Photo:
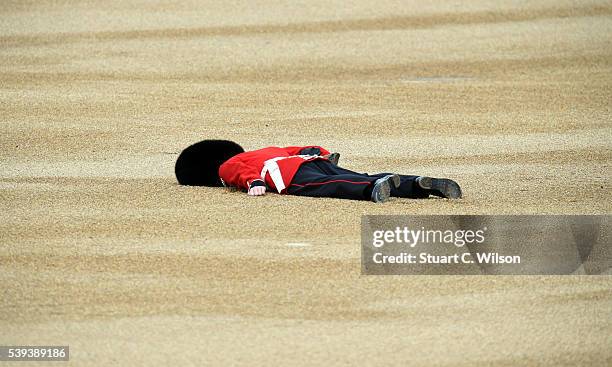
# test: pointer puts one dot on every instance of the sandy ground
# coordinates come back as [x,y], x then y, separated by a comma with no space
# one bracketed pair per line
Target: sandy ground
[101,250]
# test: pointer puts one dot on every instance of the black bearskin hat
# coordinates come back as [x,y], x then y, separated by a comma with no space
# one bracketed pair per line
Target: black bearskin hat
[198,164]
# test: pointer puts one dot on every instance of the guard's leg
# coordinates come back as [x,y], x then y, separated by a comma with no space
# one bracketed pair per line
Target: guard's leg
[408,187]
[322,179]
[420,187]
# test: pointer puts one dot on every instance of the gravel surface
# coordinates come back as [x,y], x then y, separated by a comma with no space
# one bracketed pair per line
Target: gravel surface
[101,250]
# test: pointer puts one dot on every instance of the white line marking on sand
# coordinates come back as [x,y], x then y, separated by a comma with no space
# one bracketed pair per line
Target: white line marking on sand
[298,244]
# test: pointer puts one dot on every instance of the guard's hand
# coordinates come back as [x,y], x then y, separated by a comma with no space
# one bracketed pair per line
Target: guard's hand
[333,157]
[257,190]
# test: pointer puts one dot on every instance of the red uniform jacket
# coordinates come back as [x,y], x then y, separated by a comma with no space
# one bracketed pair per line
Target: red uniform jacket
[276,166]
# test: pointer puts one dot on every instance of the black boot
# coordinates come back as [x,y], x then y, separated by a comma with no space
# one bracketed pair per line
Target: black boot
[382,188]
[442,187]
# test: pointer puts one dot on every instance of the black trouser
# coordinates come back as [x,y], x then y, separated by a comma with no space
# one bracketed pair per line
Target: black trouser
[320,178]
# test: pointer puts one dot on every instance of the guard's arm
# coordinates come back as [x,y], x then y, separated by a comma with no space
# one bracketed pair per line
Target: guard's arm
[238,174]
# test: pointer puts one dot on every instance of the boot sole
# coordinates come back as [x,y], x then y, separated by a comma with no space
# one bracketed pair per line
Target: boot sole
[382,188]
[443,187]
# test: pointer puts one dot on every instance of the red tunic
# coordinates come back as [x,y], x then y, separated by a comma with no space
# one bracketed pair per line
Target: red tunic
[276,166]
